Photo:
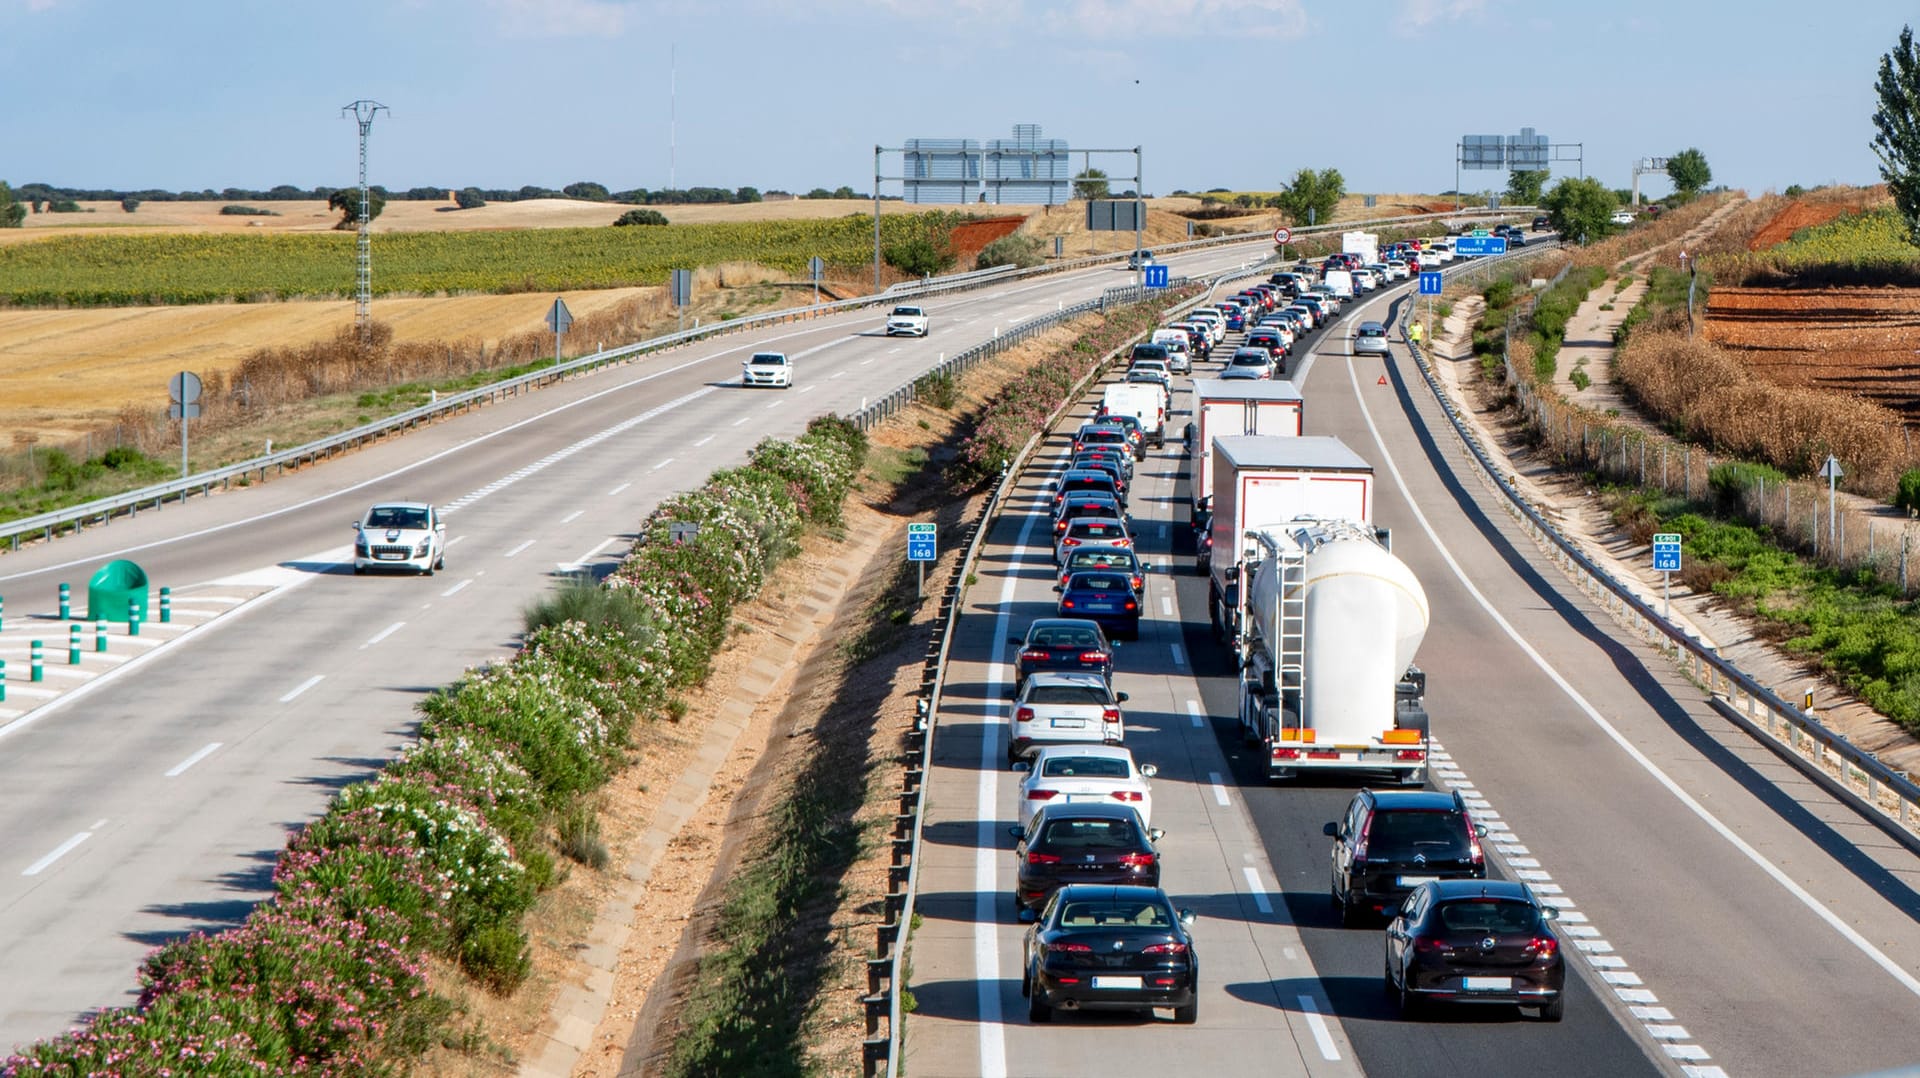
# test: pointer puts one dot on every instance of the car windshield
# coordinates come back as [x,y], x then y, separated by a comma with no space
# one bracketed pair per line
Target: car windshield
[768,358]
[1083,767]
[1373,331]
[1107,912]
[1396,833]
[1150,351]
[1096,834]
[1098,582]
[910,311]
[393,516]
[1101,559]
[1489,915]
[1064,638]
[1073,693]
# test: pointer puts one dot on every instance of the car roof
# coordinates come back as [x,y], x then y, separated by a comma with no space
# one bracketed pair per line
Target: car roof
[1120,892]
[1061,623]
[1451,889]
[1104,548]
[1066,677]
[398,505]
[1111,752]
[1430,800]
[1088,809]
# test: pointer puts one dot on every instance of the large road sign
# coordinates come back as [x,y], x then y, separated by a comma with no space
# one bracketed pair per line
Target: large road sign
[1666,552]
[1430,283]
[921,542]
[1470,246]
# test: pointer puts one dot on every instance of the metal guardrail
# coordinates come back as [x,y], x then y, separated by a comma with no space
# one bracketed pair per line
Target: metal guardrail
[889,964]
[1888,798]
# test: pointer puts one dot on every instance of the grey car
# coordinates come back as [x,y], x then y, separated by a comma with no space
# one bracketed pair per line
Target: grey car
[1370,339]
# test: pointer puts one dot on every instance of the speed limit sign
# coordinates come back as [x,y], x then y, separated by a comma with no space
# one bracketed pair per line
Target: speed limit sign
[1282,235]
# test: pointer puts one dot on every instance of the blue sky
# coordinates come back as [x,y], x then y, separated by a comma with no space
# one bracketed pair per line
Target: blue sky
[793,95]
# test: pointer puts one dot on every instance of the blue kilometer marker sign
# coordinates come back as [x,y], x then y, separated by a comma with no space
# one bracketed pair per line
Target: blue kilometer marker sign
[1666,552]
[920,542]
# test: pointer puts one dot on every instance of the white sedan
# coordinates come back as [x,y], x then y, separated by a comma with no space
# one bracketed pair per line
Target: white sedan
[767,369]
[1066,774]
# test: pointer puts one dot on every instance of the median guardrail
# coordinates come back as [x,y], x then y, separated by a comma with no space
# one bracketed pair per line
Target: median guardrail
[1888,798]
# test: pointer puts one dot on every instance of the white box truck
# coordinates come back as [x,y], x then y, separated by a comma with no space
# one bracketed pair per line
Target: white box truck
[1235,407]
[1261,482]
[1145,401]
[1364,244]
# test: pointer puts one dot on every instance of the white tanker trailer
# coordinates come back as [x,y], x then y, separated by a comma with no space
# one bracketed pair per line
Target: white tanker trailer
[1332,623]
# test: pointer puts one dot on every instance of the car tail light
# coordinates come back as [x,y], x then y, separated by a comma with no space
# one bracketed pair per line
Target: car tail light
[1034,858]
[1131,605]
[1093,656]
[1137,860]
[1127,795]
[1042,795]
[1366,830]
[1070,541]
[1066,604]
[1122,542]
[1543,947]
[1164,948]
[1110,714]
[1060,525]
[1139,582]
[1473,843]
[1024,714]
[1428,945]
[1036,655]
[1070,948]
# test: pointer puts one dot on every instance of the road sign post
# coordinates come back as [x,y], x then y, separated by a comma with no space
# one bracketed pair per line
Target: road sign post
[558,319]
[183,396]
[922,543]
[1830,471]
[815,267]
[1280,238]
[1666,560]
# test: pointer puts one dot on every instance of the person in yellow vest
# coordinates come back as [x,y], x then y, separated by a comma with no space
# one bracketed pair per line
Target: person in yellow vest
[1413,333]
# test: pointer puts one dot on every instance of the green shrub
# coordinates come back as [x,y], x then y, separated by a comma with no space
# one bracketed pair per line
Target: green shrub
[246,211]
[641,217]
[1499,293]
[468,198]
[938,389]
[497,956]
[1014,249]
[1580,379]
[1908,497]
[129,205]
[920,256]
[64,205]
[1731,481]
[580,837]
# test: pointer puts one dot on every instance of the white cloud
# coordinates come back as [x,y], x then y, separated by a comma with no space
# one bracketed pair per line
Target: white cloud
[1419,14]
[562,18]
[1097,19]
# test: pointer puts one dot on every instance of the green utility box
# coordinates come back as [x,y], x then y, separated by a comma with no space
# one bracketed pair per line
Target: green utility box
[117,592]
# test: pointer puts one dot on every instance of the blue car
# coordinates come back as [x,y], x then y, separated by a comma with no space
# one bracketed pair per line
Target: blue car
[1107,598]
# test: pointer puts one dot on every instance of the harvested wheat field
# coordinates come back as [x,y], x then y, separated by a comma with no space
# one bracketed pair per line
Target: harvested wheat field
[70,371]
[1846,340]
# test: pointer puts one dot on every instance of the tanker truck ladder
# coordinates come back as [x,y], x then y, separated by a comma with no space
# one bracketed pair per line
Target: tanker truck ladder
[1290,674]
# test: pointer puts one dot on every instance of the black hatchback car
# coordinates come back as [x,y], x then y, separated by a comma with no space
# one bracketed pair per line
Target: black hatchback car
[1390,841]
[1074,644]
[1475,941]
[1111,948]
[1081,843]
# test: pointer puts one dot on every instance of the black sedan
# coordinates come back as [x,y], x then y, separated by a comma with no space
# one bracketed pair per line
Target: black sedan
[1111,948]
[1102,595]
[1062,644]
[1085,842]
[1475,941]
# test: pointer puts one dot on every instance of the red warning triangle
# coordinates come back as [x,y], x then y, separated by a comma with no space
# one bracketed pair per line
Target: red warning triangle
[1382,381]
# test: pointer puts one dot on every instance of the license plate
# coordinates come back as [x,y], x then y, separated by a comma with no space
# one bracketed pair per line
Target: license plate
[1073,798]
[1103,608]
[1117,982]
[1415,881]
[391,557]
[1487,984]
[1069,724]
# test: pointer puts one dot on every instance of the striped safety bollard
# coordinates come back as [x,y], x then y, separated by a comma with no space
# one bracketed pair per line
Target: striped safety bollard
[166,605]
[36,664]
[66,601]
[73,645]
[3,612]
[100,635]
[3,681]
[133,623]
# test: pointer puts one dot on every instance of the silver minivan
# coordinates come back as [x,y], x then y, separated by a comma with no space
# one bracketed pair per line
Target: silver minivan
[1370,339]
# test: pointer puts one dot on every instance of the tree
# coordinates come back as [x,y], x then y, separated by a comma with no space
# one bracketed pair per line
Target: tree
[747,194]
[1312,196]
[1896,124]
[590,192]
[1580,209]
[642,217]
[921,256]
[818,192]
[1524,186]
[129,204]
[469,198]
[1091,184]
[347,201]
[843,191]
[11,212]
[1689,172]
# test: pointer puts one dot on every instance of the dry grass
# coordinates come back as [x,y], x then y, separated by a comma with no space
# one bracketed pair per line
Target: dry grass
[1644,238]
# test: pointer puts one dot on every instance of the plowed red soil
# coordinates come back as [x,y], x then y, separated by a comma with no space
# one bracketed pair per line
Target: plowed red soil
[1798,214]
[1847,340]
[968,239]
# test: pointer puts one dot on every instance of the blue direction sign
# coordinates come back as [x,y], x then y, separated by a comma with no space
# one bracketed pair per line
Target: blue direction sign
[1666,552]
[1157,276]
[1470,246]
[920,542]
[1431,284]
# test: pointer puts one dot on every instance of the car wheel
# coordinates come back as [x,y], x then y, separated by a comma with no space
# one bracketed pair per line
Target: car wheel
[1037,1010]
[1387,987]
[1026,985]
[1556,1010]
[440,561]
[1190,1013]
[359,570]
[1350,916]
[1411,1006]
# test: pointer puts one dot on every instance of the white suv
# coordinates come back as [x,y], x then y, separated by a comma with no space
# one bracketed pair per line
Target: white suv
[400,535]
[767,369]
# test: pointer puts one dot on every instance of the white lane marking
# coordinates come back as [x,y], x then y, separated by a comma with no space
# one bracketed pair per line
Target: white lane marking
[1194,712]
[588,556]
[775,404]
[303,687]
[1652,1014]
[1166,607]
[837,374]
[741,420]
[1846,931]
[864,362]
[456,587]
[573,516]
[1257,889]
[59,851]
[518,549]
[808,389]
[383,634]
[180,768]
[703,441]
[1179,657]
[1322,1037]
[610,493]
[663,464]
[1219,787]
